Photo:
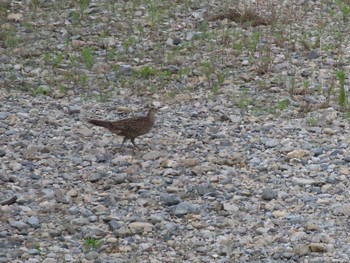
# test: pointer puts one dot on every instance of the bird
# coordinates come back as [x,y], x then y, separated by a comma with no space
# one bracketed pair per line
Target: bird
[130,128]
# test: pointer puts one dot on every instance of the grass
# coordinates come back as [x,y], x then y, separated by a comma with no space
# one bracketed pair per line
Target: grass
[215,53]
[87,57]
[342,95]
[91,243]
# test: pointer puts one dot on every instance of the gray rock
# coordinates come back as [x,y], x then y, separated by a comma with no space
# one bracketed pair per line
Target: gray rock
[140,227]
[313,54]
[114,225]
[49,194]
[125,70]
[4,115]
[95,177]
[9,201]
[345,209]
[119,178]
[62,197]
[153,155]
[268,194]
[33,251]
[185,208]
[92,255]
[34,222]
[74,109]
[170,199]
[19,225]
[172,68]
[271,143]
[177,41]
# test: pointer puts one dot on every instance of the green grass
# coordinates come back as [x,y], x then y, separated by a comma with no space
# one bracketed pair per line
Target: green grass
[91,243]
[214,54]
[342,95]
[87,57]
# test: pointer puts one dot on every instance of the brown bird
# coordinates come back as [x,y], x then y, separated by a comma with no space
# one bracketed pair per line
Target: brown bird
[130,128]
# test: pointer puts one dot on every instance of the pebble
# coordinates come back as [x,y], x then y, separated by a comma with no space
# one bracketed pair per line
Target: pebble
[19,225]
[34,222]
[153,155]
[125,70]
[268,194]
[228,173]
[170,199]
[74,109]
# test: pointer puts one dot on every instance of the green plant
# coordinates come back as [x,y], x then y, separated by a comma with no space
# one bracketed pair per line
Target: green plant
[220,76]
[238,46]
[34,4]
[83,80]
[12,40]
[58,59]
[43,90]
[208,70]
[83,5]
[75,17]
[146,72]
[282,104]
[62,89]
[110,54]
[91,243]
[344,8]
[47,57]
[87,57]
[312,121]
[171,94]
[37,247]
[203,26]
[342,95]
[129,42]
[254,41]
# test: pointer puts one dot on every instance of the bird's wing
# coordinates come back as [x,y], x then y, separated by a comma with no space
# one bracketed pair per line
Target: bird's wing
[131,125]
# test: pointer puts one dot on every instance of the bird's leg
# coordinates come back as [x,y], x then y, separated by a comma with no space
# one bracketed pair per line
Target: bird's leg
[124,140]
[133,142]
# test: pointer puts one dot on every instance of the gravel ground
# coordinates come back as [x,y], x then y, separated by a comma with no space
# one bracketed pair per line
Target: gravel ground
[251,169]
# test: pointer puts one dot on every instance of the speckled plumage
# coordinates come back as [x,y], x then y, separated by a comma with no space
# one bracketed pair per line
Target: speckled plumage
[130,128]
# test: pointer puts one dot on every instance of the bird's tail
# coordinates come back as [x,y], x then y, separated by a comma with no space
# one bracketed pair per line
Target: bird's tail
[105,124]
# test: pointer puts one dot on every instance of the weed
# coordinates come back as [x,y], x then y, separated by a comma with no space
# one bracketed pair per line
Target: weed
[111,54]
[92,243]
[62,89]
[83,5]
[344,8]
[83,80]
[171,94]
[282,104]
[220,76]
[312,121]
[87,56]
[34,4]
[43,90]
[37,247]
[58,59]
[129,42]
[146,72]
[12,40]
[342,95]
[75,17]
[208,70]
[238,46]
[254,41]
[47,57]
